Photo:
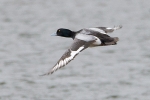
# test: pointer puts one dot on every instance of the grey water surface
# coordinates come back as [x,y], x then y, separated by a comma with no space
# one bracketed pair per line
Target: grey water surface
[120,72]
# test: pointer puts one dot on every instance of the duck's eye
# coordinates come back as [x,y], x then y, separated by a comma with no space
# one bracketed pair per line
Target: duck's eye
[58,30]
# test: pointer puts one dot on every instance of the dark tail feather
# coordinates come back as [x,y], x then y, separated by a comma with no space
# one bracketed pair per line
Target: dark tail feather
[116,39]
[112,42]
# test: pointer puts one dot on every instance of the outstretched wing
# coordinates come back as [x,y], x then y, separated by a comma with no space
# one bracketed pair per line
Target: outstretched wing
[105,30]
[77,46]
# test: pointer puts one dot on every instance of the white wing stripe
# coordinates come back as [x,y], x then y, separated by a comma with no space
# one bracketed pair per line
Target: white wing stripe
[65,61]
[55,67]
[61,63]
[108,28]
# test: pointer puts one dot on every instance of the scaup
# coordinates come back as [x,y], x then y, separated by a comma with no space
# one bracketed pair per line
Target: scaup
[84,38]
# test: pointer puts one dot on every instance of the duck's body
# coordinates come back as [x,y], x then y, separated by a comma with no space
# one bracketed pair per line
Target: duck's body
[84,38]
[100,35]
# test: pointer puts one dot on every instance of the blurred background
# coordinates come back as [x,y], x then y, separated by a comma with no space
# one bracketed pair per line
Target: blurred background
[120,72]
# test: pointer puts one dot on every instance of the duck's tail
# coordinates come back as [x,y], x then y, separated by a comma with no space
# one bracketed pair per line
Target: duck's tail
[110,41]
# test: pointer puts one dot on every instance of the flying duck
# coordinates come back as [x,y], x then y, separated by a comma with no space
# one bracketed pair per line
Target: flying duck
[82,39]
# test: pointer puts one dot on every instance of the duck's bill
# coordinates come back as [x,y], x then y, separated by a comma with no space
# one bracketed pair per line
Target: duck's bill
[54,34]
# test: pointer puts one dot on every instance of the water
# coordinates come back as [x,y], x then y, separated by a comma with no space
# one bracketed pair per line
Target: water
[27,50]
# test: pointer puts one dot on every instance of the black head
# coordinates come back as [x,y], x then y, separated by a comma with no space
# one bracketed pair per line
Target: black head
[65,32]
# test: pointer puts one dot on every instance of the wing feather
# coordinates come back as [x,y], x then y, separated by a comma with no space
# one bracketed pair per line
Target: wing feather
[70,54]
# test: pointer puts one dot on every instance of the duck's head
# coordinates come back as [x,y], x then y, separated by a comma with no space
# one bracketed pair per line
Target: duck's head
[64,33]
